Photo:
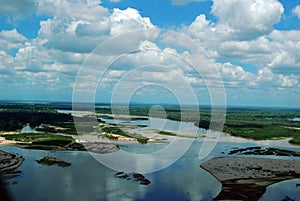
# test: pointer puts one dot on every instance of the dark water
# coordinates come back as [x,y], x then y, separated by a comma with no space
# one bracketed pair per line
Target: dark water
[87,179]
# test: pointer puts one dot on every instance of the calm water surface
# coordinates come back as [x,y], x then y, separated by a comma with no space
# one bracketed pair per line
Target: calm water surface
[87,179]
[296,119]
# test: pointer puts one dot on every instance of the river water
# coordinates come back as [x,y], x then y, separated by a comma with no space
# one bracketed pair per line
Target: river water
[87,179]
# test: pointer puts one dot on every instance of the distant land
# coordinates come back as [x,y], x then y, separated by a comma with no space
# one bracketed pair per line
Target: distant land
[248,107]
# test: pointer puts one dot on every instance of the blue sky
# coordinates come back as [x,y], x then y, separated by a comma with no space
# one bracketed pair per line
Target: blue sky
[252,51]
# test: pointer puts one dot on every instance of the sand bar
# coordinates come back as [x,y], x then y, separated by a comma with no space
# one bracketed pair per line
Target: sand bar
[245,178]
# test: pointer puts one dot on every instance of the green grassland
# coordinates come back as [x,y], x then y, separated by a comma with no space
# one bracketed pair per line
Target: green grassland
[260,124]
[166,133]
[40,138]
[254,123]
[109,130]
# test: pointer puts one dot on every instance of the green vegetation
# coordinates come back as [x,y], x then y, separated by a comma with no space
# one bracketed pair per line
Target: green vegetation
[254,123]
[142,140]
[259,124]
[58,127]
[111,137]
[295,140]
[12,120]
[167,133]
[106,117]
[117,131]
[262,132]
[40,138]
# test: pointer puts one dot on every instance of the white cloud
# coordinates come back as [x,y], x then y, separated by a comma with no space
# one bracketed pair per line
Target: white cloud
[76,26]
[286,51]
[225,39]
[11,39]
[93,29]
[249,19]
[200,24]
[67,57]
[82,35]
[279,50]
[6,61]
[64,41]
[244,33]
[147,45]
[296,10]
[267,79]
[12,36]
[60,33]
[128,20]
[89,10]
[246,51]
[30,58]
[231,72]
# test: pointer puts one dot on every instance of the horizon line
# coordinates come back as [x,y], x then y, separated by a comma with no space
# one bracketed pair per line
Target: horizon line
[242,106]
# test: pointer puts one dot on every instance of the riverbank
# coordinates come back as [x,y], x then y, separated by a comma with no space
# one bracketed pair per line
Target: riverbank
[245,178]
[49,141]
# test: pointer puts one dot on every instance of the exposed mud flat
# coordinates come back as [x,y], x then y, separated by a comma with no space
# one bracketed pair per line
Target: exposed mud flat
[246,178]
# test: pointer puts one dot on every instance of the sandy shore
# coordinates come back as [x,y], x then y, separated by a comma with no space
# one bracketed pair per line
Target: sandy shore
[247,178]
[3,141]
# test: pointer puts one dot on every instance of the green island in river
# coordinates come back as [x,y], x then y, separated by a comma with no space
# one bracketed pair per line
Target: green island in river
[253,123]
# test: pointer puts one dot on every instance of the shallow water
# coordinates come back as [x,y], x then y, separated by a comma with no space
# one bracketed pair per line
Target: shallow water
[88,179]
[296,119]
[28,129]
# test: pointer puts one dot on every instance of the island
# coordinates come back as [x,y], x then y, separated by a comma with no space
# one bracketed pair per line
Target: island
[50,141]
[9,163]
[245,178]
[137,177]
[49,161]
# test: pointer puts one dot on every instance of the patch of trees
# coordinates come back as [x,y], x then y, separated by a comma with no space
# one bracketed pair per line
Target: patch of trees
[207,124]
[14,120]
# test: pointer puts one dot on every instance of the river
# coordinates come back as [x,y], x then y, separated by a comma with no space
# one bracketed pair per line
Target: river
[88,179]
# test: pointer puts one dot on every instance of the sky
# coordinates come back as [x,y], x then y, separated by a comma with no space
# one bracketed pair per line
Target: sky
[234,52]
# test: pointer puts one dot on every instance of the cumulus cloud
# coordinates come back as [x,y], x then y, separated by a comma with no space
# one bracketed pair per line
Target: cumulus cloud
[248,19]
[126,20]
[266,78]
[11,39]
[243,32]
[247,51]
[77,9]
[72,31]
[5,61]
[60,34]
[235,74]
[286,51]
[30,58]
[296,10]
[82,35]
